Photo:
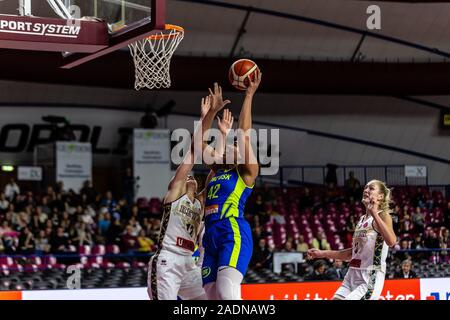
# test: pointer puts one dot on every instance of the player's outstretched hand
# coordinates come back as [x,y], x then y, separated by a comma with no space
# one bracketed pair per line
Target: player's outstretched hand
[254,84]
[205,105]
[314,254]
[217,102]
[226,123]
[374,206]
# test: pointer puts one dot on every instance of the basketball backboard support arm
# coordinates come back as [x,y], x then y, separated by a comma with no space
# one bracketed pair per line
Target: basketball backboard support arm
[60,8]
[122,38]
[25,7]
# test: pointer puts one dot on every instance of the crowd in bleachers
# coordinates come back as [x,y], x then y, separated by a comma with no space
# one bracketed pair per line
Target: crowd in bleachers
[296,219]
[58,222]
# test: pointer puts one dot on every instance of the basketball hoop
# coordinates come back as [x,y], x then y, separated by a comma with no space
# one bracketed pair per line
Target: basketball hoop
[152,56]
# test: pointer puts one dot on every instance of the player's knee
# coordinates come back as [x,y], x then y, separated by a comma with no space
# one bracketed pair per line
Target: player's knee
[225,289]
[228,284]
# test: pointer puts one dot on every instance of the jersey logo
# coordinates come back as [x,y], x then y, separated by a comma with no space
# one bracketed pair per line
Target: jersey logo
[206,271]
[355,263]
[365,225]
[186,244]
[212,209]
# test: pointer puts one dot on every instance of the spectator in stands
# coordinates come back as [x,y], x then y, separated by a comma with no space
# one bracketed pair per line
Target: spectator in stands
[405,223]
[447,216]
[123,211]
[431,240]
[42,244]
[113,235]
[154,231]
[60,188]
[135,226]
[352,186]
[35,224]
[42,216]
[338,271]
[44,205]
[417,242]
[109,202]
[257,234]
[26,241]
[274,215]
[82,235]
[444,238]
[104,221]
[419,199]
[146,226]
[444,241]
[129,241]
[318,272]
[128,186]
[87,217]
[288,246]
[350,226]
[261,255]
[406,272]
[257,208]
[11,190]
[397,212]
[9,237]
[135,213]
[402,254]
[89,191]
[4,203]
[59,242]
[418,220]
[302,246]
[320,242]
[145,244]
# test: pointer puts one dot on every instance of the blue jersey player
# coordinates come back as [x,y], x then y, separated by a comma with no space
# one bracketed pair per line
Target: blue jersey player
[228,239]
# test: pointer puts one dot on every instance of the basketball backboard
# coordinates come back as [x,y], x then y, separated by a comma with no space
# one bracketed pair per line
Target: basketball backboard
[83,29]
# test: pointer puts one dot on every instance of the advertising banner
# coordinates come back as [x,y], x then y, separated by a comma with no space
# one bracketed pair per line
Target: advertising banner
[73,164]
[151,162]
[404,289]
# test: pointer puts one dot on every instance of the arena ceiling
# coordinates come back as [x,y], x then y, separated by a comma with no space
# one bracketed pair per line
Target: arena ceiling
[303,46]
[314,29]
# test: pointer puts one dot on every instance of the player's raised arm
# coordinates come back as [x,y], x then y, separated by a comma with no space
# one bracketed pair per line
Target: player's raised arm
[177,183]
[250,168]
[225,124]
[217,104]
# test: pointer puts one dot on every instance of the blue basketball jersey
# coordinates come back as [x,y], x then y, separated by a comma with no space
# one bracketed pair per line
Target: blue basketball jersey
[226,196]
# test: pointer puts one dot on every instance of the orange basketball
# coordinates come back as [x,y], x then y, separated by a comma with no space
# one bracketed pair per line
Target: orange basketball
[241,71]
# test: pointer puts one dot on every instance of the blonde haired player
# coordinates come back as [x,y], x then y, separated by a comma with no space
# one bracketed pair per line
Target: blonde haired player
[173,271]
[372,236]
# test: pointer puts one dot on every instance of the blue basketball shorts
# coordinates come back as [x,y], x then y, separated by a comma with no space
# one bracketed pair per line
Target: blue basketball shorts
[227,242]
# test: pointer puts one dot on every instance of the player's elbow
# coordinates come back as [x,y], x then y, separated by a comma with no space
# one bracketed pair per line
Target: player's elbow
[391,241]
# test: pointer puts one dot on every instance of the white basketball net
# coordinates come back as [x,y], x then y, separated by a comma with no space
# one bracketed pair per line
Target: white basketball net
[152,57]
